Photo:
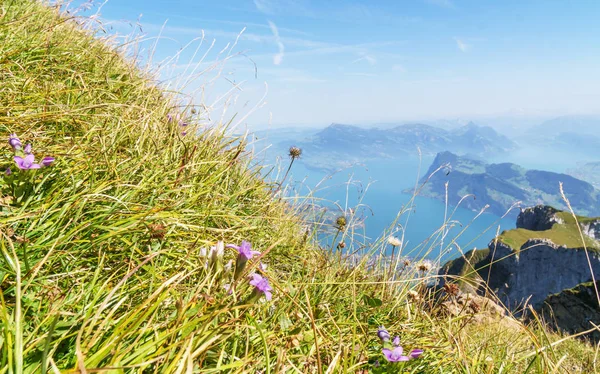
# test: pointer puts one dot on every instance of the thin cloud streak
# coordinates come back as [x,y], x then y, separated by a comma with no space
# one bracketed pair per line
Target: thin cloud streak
[464,47]
[278,58]
[442,3]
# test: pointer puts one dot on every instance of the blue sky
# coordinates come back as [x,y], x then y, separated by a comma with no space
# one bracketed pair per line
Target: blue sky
[317,62]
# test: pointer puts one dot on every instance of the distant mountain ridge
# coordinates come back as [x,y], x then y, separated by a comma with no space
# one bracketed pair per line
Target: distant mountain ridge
[502,185]
[354,144]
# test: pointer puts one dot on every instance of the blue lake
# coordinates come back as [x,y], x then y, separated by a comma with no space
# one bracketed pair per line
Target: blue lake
[380,184]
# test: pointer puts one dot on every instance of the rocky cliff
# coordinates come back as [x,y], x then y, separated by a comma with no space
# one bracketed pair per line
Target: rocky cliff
[544,256]
[539,268]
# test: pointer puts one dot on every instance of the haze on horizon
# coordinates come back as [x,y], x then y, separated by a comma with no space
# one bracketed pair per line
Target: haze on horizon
[360,62]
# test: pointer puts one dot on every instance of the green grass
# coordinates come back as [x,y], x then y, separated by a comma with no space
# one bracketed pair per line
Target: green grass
[566,234]
[101,267]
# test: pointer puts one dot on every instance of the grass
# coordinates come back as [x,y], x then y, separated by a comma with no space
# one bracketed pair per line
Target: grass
[566,234]
[102,267]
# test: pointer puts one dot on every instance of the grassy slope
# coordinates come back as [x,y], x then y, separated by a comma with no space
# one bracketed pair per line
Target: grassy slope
[566,234]
[101,265]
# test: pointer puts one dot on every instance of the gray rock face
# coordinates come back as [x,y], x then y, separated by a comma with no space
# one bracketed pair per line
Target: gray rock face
[538,218]
[591,229]
[540,268]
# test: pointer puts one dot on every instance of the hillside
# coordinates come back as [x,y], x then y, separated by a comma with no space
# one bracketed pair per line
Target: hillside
[502,185]
[130,230]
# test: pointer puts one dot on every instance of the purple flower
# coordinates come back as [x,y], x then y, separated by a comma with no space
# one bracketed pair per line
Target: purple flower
[26,163]
[46,161]
[383,334]
[395,355]
[27,148]
[396,341]
[261,285]
[8,171]
[169,118]
[14,141]
[244,250]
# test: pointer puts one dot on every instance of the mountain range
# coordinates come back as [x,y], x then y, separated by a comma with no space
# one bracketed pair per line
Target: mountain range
[502,185]
[340,145]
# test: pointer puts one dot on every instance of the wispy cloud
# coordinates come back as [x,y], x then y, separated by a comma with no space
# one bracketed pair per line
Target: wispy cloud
[399,68]
[292,7]
[442,3]
[278,58]
[368,58]
[462,45]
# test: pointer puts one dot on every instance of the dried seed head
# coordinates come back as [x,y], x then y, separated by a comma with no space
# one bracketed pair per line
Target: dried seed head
[394,241]
[406,263]
[157,230]
[413,296]
[295,152]
[194,111]
[424,266]
[341,245]
[341,222]
[451,289]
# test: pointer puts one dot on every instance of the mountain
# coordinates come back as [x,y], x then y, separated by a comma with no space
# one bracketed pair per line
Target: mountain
[340,144]
[576,124]
[542,262]
[589,172]
[502,185]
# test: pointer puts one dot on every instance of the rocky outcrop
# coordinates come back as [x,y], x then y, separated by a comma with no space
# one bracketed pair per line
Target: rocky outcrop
[538,218]
[574,310]
[538,269]
[591,229]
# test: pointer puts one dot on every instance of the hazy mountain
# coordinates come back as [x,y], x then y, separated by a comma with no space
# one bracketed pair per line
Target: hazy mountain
[589,172]
[571,124]
[339,144]
[501,185]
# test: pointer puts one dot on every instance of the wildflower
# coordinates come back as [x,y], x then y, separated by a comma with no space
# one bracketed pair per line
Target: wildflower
[395,355]
[424,266]
[14,142]
[245,253]
[27,148]
[215,258]
[244,250]
[46,161]
[383,334]
[295,152]
[406,263]
[394,241]
[169,118]
[26,163]
[261,285]
[8,171]
[396,341]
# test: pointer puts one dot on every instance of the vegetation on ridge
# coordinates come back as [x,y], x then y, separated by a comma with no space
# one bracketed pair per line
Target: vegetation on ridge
[566,234]
[102,266]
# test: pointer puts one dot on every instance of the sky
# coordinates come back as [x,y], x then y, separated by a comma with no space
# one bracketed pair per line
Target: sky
[303,62]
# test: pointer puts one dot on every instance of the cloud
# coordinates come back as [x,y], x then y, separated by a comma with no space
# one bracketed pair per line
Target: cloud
[264,6]
[278,58]
[368,58]
[442,3]
[399,68]
[289,7]
[462,45]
